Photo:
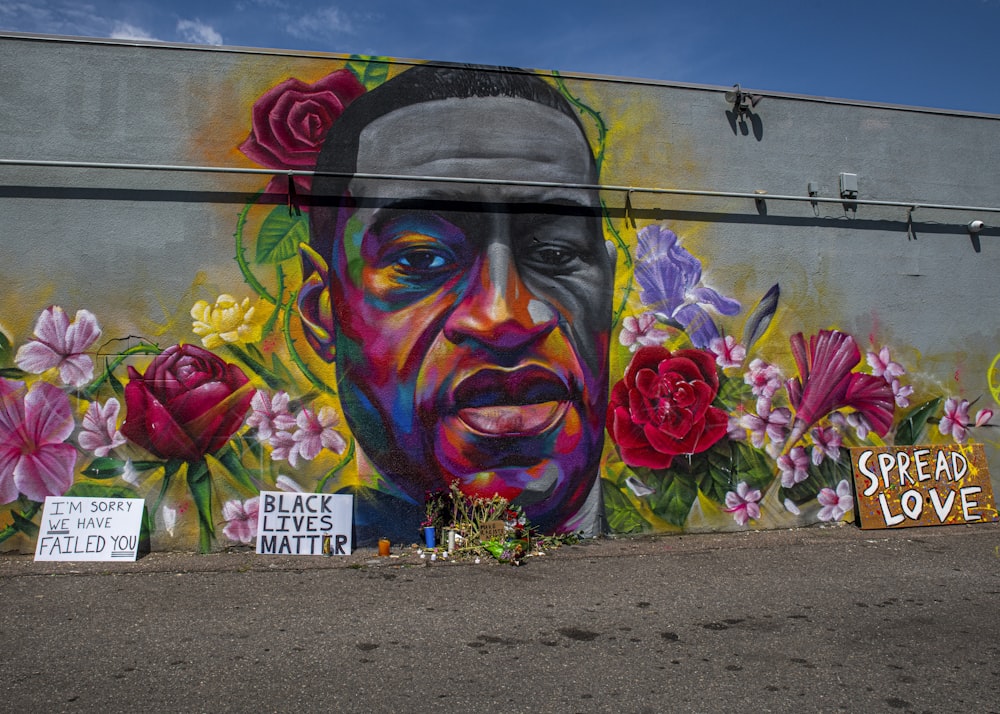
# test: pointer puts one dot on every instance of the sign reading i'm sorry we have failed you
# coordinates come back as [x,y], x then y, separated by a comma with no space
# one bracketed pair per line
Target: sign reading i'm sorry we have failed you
[83,528]
[922,485]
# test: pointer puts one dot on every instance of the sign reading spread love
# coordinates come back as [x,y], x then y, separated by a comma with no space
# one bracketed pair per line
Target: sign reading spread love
[922,486]
[83,528]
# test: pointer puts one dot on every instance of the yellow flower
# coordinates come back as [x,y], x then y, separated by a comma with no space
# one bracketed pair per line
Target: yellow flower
[228,321]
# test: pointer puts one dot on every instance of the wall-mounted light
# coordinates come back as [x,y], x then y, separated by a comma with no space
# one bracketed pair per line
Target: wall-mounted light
[976,226]
[743,102]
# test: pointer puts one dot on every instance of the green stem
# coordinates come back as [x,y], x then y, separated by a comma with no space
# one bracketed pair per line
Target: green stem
[141,349]
[602,128]
[241,260]
[341,464]
[270,378]
[296,357]
[627,256]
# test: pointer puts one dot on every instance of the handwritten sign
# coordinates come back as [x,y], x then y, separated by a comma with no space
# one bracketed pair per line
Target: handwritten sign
[296,523]
[922,485]
[79,528]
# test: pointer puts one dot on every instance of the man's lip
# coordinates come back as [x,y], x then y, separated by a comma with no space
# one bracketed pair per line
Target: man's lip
[519,402]
[520,420]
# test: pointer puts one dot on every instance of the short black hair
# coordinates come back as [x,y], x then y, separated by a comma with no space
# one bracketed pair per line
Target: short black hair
[423,83]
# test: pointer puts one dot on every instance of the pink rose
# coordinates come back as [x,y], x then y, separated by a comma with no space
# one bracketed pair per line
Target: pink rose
[663,407]
[290,122]
[187,404]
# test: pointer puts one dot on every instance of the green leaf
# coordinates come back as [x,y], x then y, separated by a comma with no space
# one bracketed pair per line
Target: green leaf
[24,525]
[371,71]
[228,457]
[733,391]
[911,428]
[6,348]
[751,465]
[116,386]
[100,490]
[12,373]
[622,516]
[280,236]
[680,496]
[200,485]
[104,467]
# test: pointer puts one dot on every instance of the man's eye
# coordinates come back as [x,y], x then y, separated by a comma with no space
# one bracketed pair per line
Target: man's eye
[423,260]
[554,255]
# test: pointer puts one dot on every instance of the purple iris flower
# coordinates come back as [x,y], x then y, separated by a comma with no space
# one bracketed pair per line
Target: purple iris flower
[669,277]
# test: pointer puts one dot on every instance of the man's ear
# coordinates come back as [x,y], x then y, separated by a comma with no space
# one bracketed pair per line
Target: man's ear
[314,303]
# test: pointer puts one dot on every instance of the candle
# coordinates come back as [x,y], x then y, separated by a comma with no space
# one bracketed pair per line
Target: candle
[383,546]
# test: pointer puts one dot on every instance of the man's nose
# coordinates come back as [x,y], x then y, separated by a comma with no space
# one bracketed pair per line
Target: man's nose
[498,311]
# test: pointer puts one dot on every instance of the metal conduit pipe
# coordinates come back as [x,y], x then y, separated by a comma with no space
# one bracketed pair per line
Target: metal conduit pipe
[911,205]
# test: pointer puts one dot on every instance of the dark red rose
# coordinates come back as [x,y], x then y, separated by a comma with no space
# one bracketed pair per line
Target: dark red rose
[663,407]
[187,404]
[291,119]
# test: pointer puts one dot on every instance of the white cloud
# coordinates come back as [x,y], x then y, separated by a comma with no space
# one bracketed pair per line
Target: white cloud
[318,23]
[125,31]
[199,33]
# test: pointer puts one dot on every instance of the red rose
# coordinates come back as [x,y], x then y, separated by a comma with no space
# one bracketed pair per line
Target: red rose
[291,120]
[663,407]
[187,404]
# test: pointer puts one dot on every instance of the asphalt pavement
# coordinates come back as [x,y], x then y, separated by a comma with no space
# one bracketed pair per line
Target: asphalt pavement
[818,619]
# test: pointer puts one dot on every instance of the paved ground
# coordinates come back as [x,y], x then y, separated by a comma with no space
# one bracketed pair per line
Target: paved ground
[821,619]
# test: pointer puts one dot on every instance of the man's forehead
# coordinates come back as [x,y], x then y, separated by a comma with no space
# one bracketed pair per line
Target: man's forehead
[497,138]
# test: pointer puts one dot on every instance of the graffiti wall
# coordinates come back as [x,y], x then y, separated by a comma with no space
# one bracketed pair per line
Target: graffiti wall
[626,307]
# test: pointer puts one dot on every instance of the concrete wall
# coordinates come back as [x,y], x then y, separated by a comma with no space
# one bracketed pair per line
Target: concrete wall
[700,435]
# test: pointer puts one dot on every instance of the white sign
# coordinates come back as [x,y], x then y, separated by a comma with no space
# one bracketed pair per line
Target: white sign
[78,528]
[297,523]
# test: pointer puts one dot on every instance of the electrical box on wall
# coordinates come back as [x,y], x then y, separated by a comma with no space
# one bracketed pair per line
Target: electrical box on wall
[848,185]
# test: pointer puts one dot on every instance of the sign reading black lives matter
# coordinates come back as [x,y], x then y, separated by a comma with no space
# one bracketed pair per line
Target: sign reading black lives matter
[296,523]
[83,528]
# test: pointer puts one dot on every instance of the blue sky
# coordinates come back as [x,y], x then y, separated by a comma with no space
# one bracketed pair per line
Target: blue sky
[932,53]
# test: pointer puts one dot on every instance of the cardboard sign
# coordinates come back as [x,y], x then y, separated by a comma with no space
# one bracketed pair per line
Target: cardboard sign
[935,485]
[78,528]
[296,523]
[492,530]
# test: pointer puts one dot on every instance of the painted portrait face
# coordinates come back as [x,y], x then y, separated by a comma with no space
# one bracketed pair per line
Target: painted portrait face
[471,321]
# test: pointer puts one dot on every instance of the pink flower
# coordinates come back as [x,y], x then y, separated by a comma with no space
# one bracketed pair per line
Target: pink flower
[641,332]
[728,352]
[764,379]
[316,433]
[983,416]
[883,366]
[34,460]
[768,422]
[901,393]
[100,432]
[826,443]
[826,383]
[835,503]
[291,120]
[794,467]
[955,421]
[61,344]
[283,447]
[241,519]
[743,503]
[270,414]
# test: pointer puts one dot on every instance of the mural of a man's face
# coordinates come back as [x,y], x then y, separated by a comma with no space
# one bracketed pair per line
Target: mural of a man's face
[471,320]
